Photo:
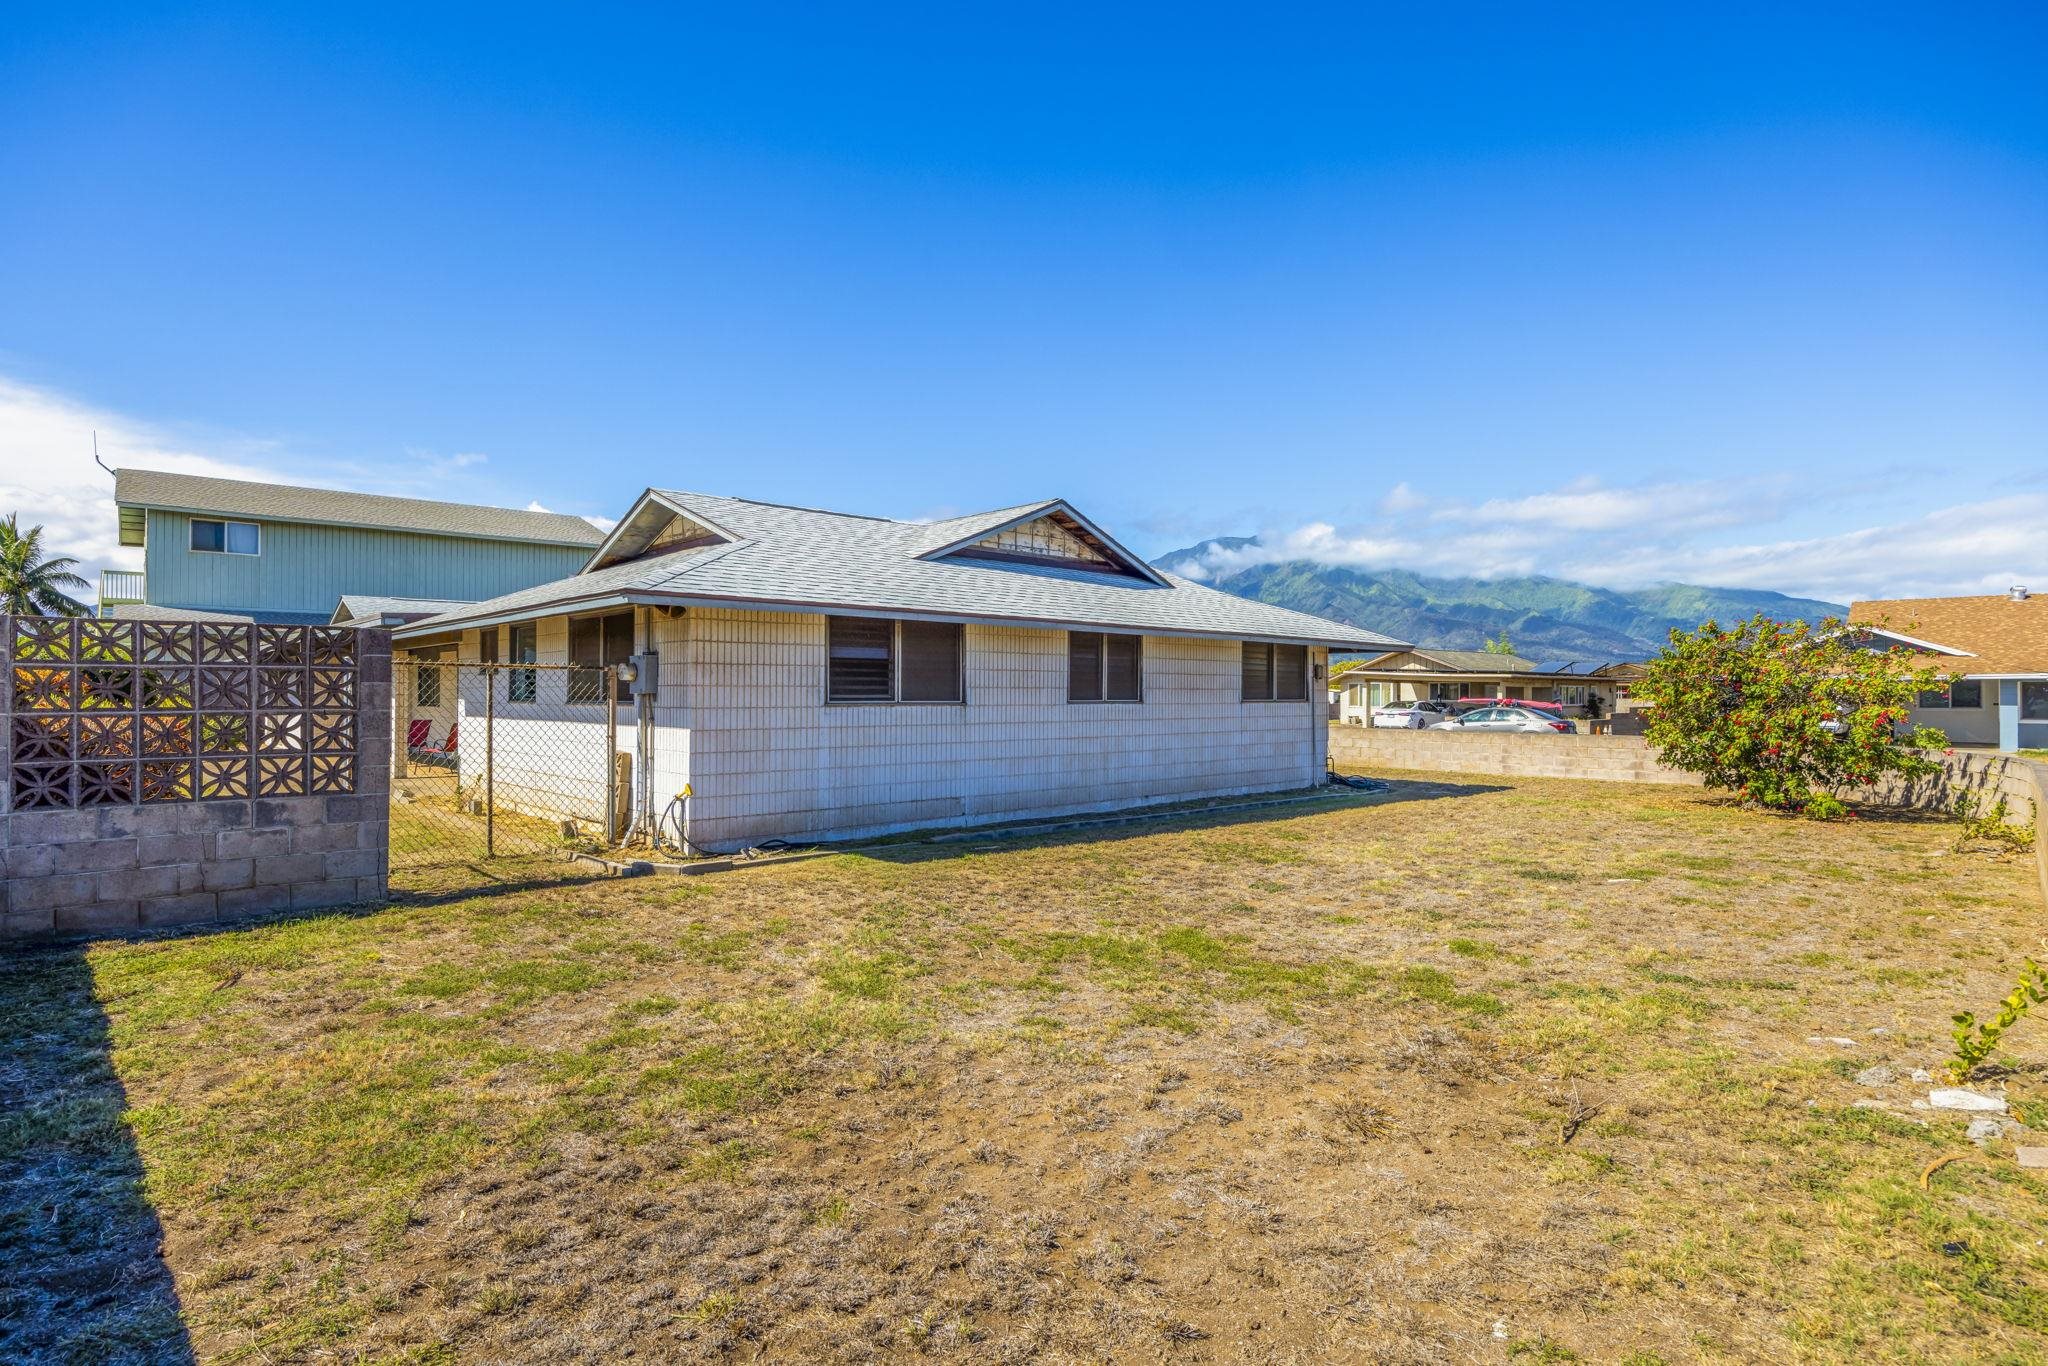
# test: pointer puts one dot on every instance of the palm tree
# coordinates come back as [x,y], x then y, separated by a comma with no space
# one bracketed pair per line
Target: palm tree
[31,586]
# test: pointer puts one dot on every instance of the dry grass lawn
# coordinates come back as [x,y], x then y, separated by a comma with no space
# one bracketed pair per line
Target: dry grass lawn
[1480,1070]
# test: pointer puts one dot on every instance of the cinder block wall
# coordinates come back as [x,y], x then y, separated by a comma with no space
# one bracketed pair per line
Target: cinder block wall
[127,867]
[1629,759]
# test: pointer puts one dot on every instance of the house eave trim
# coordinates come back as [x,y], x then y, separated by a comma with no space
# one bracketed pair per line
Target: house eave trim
[643,598]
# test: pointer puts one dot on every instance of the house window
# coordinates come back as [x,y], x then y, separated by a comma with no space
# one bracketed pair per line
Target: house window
[226,538]
[869,659]
[1572,694]
[1104,668]
[1446,692]
[2033,701]
[1966,694]
[523,685]
[596,646]
[487,645]
[931,654]
[1274,673]
[426,681]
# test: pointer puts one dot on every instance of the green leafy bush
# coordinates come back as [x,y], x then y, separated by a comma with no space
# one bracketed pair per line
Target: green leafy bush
[1975,1042]
[1788,716]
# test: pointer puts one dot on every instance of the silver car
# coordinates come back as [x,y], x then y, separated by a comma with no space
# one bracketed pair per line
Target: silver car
[1521,719]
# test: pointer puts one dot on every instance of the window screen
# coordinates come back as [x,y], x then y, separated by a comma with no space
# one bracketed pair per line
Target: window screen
[1966,692]
[1257,672]
[1121,671]
[1290,673]
[487,645]
[858,659]
[931,661]
[1084,666]
[228,538]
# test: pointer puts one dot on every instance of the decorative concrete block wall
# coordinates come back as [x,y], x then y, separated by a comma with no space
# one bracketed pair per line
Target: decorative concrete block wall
[163,773]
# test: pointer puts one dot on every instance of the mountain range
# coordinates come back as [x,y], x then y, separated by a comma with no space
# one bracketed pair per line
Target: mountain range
[1543,618]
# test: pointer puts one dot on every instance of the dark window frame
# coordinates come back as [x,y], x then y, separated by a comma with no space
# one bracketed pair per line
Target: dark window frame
[895,667]
[224,523]
[586,682]
[523,685]
[426,682]
[1097,691]
[1268,653]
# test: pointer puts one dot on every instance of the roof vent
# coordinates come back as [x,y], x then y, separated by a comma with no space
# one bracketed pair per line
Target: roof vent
[2020,593]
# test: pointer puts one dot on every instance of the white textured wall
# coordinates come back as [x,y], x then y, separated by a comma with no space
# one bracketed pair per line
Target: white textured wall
[768,757]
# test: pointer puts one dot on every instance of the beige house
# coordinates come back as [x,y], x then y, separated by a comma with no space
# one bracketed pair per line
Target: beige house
[1995,645]
[1412,674]
[818,675]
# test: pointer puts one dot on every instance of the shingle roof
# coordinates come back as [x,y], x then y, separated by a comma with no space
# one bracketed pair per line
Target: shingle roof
[1999,634]
[803,559]
[331,507]
[142,611]
[357,607]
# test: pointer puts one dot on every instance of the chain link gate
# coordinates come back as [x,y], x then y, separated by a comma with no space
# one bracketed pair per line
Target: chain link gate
[514,764]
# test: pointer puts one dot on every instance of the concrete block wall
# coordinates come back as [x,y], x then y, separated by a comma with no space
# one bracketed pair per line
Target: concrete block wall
[116,868]
[1629,759]
[769,757]
[1606,758]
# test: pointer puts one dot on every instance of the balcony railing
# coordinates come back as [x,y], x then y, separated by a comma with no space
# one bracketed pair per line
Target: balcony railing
[119,586]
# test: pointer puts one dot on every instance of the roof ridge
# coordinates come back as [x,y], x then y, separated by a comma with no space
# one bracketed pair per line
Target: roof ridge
[352,493]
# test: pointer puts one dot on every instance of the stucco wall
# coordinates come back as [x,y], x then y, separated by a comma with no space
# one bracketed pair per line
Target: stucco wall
[768,757]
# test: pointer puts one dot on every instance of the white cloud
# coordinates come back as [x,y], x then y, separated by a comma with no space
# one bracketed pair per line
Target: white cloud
[1981,547]
[1402,498]
[48,477]
[1676,532]
[47,474]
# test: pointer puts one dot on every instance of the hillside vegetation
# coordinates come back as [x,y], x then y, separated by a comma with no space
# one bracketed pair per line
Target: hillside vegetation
[1543,617]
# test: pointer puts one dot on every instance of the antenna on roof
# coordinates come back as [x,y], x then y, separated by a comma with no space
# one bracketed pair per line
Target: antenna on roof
[96,453]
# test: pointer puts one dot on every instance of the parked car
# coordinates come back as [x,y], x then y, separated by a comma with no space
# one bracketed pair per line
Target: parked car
[1409,715]
[1507,719]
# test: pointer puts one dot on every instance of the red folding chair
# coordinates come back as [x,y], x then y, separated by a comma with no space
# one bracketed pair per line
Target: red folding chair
[416,734]
[446,749]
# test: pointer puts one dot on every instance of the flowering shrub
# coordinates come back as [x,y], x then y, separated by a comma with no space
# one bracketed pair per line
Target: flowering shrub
[1787,716]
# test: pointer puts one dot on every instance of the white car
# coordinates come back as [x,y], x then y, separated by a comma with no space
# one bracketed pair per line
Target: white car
[1521,719]
[1408,715]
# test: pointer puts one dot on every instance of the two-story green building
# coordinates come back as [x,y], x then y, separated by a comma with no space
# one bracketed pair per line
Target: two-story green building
[229,548]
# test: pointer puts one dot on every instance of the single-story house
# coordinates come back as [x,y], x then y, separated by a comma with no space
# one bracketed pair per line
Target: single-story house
[813,675]
[1997,644]
[1415,674]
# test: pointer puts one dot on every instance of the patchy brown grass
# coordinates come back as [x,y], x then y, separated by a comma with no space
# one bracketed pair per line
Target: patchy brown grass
[1485,1070]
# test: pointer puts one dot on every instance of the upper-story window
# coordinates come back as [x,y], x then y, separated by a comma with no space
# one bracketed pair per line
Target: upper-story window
[226,538]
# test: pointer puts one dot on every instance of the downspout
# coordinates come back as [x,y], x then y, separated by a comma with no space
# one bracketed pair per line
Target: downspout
[643,734]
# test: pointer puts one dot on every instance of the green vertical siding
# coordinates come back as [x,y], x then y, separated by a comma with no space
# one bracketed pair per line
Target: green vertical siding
[306,568]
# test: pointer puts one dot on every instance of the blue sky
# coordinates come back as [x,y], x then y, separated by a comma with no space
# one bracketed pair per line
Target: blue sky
[1623,293]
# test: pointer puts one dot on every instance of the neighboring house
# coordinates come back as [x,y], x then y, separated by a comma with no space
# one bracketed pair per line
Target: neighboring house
[231,549]
[1414,674]
[822,675]
[1997,644]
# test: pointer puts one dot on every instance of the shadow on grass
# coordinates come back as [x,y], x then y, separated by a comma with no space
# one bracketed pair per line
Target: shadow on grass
[82,1274]
[1110,826]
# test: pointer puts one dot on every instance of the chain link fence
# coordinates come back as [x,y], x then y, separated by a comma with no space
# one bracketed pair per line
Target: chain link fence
[504,761]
